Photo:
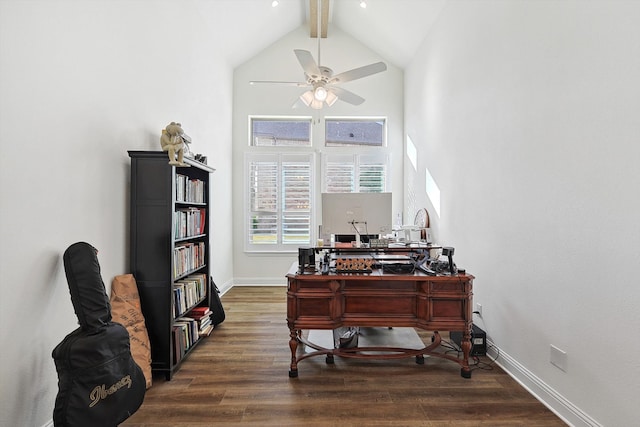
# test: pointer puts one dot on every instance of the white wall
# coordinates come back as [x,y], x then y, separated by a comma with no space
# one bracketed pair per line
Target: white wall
[526,114]
[82,83]
[383,94]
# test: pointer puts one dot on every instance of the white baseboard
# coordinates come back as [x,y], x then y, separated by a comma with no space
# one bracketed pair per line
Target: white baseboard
[225,287]
[553,400]
[260,281]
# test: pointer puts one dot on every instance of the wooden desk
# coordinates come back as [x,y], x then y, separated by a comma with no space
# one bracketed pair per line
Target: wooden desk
[433,303]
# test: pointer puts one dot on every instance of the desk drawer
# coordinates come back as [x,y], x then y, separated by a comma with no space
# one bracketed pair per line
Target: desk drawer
[378,285]
[435,287]
[312,285]
[380,305]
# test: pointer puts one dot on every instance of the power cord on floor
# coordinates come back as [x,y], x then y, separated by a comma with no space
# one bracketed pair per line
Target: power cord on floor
[477,363]
[485,366]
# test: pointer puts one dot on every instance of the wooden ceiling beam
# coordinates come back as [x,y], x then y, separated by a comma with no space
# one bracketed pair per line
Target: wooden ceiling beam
[313,18]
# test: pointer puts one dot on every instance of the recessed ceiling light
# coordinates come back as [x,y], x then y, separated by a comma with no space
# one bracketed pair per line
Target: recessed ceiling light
[363,4]
[274,3]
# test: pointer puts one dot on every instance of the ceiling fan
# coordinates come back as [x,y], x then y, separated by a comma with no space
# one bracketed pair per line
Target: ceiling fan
[323,85]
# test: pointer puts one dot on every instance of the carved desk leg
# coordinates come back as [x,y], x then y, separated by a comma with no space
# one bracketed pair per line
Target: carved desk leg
[293,345]
[465,372]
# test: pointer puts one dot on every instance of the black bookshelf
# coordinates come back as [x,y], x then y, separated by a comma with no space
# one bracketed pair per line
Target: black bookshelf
[156,198]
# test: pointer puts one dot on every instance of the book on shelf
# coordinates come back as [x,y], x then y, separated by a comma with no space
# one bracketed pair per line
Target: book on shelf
[179,301]
[189,328]
[207,331]
[189,190]
[189,222]
[198,312]
[203,220]
[202,315]
[178,343]
[188,292]
[204,323]
[188,256]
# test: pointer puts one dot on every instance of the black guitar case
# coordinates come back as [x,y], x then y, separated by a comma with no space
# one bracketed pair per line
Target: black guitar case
[215,304]
[99,384]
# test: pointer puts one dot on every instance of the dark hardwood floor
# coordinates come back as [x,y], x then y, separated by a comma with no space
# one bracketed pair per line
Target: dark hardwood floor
[239,376]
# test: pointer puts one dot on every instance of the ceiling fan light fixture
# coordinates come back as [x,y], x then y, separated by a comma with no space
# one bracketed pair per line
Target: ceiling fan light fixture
[323,85]
[320,93]
[307,98]
[331,98]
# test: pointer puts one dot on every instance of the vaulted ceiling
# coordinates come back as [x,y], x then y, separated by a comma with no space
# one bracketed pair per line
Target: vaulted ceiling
[392,28]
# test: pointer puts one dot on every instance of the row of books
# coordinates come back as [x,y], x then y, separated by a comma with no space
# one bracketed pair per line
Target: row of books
[189,222]
[188,292]
[203,316]
[189,190]
[187,257]
[188,329]
[185,335]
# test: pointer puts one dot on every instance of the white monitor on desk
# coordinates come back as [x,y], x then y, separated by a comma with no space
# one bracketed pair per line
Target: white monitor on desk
[356,213]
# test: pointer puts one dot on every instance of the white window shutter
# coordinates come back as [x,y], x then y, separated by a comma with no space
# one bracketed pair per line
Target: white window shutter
[263,200]
[372,178]
[279,194]
[355,173]
[340,177]
[296,197]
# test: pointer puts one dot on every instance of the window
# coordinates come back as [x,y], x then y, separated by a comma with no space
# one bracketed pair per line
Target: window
[369,132]
[279,194]
[355,173]
[286,132]
[280,169]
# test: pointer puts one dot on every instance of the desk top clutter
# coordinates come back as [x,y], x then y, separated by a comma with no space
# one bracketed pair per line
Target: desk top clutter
[408,259]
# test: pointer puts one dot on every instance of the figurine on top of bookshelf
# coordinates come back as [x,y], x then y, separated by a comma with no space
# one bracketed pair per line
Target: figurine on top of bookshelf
[173,143]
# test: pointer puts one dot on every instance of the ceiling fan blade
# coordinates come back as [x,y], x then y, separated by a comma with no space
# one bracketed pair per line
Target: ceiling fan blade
[358,73]
[298,84]
[346,96]
[307,62]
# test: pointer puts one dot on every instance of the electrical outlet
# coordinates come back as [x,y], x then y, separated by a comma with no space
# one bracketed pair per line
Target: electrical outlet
[558,358]
[479,309]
